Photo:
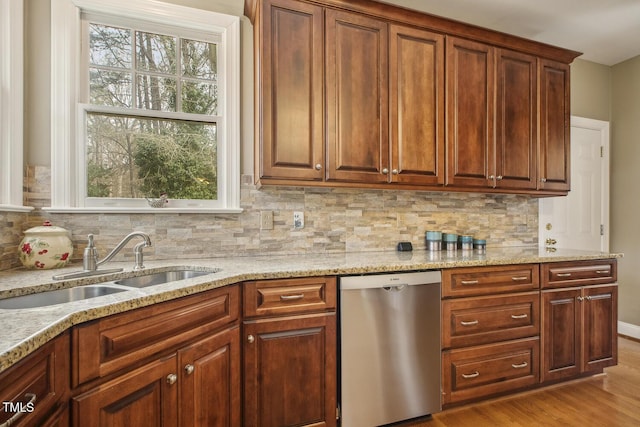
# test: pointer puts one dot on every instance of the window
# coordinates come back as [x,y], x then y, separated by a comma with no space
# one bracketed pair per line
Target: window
[148,106]
[11,101]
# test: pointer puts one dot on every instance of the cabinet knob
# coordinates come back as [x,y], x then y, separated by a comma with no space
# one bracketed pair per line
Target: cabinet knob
[318,166]
[171,379]
[188,369]
[385,171]
[395,171]
[499,177]
[543,179]
[251,339]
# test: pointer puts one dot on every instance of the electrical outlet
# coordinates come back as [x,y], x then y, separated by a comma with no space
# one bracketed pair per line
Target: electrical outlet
[266,220]
[298,220]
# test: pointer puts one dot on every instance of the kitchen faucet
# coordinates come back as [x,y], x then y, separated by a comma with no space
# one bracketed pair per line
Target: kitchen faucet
[90,261]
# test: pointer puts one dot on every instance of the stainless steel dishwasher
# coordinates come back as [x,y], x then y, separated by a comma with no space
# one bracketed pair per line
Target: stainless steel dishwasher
[389,347]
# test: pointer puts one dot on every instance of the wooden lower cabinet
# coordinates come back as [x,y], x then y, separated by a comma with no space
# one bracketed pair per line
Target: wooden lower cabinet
[197,386]
[210,394]
[144,397]
[579,330]
[35,391]
[290,371]
[473,372]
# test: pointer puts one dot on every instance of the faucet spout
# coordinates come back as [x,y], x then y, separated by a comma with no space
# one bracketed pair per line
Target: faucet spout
[137,250]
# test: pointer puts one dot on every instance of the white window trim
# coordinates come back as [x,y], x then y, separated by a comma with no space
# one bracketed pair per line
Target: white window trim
[65,92]
[11,106]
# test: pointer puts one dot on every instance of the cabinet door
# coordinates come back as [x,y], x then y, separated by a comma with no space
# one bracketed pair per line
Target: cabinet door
[416,71]
[561,340]
[516,120]
[290,81]
[290,371]
[470,111]
[145,397]
[555,157]
[600,344]
[357,97]
[210,381]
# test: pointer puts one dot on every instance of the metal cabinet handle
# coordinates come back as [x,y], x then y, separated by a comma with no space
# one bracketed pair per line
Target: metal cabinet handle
[580,298]
[602,271]
[519,365]
[469,376]
[469,282]
[251,339]
[188,369]
[171,379]
[291,297]
[519,316]
[11,421]
[519,278]
[563,274]
[499,177]
[470,323]
[385,171]
[318,166]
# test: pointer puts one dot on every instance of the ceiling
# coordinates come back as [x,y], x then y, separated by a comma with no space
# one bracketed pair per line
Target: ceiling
[606,31]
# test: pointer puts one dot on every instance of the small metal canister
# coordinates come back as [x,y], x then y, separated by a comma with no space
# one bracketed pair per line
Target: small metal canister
[480,245]
[465,243]
[450,242]
[434,240]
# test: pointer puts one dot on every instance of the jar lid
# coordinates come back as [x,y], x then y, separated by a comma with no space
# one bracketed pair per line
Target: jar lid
[450,237]
[433,235]
[48,229]
[479,242]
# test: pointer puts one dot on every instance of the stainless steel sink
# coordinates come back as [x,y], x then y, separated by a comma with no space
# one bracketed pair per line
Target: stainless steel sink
[152,279]
[60,296]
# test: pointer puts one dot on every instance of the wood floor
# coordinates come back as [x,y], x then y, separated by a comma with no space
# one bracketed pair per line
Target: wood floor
[611,399]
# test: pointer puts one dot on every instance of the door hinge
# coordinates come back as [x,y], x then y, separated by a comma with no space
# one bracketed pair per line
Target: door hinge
[602,229]
[601,151]
[337,412]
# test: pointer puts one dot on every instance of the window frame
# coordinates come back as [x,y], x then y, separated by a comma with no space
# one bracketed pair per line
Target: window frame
[11,106]
[67,113]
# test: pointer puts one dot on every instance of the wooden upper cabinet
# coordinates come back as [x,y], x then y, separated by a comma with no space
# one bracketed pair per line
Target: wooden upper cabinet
[290,86]
[516,120]
[357,97]
[554,126]
[470,109]
[416,71]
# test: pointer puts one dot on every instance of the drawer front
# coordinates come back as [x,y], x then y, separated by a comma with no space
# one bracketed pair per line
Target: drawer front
[482,371]
[288,296]
[579,273]
[36,386]
[113,343]
[461,282]
[483,320]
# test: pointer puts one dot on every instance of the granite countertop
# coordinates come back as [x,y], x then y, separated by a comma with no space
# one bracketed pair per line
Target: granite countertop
[25,330]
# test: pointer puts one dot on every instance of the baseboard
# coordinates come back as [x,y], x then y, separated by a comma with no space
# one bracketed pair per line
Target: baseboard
[629,330]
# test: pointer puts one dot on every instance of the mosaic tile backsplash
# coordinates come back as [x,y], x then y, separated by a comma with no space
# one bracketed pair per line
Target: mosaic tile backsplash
[336,220]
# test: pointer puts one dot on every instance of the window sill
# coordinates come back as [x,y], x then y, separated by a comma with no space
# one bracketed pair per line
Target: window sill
[146,210]
[15,208]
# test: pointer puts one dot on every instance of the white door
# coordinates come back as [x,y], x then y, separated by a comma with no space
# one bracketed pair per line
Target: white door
[581,219]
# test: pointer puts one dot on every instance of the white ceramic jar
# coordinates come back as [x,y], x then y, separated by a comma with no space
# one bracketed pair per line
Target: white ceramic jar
[45,247]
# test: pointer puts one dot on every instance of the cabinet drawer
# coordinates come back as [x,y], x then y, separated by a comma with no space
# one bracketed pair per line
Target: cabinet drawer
[116,342]
[288,296]
[578,273]
[462,282]
[482,320]
[37,386]
[485,370]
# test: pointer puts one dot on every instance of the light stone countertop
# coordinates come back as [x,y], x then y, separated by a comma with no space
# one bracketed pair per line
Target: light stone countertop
[24,330]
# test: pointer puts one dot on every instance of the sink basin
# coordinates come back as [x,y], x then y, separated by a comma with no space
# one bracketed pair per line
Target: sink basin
[60,296]
[152,279]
